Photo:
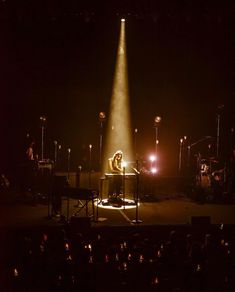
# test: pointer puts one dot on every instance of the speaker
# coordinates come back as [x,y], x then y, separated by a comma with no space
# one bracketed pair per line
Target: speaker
[80,224]
[200,221]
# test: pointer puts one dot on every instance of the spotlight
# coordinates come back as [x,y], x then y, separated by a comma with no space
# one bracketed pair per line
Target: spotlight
[152,158]
[154,170]
[123,20]
[157,119]
[124,164]
[102,116]
[42,118]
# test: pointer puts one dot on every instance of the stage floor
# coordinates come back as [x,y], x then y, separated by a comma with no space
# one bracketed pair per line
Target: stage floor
[17,210]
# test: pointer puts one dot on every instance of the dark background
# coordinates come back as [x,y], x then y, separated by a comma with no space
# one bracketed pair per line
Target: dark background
[57,58]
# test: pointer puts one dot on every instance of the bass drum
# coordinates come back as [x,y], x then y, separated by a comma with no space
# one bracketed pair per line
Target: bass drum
[203,181]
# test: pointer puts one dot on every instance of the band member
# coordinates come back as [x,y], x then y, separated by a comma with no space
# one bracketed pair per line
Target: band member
[231,175]
[4,182]
[115,168]
[31,167]
[29,151]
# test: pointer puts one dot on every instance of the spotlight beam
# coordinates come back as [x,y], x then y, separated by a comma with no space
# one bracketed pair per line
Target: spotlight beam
[119,125]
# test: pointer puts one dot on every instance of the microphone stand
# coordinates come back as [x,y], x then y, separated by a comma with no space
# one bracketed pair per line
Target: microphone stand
[137,220]
[89,177]
[68,173]
[123,186]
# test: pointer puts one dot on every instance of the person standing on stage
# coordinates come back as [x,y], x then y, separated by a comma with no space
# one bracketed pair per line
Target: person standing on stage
[29,152]
[231,175]
[31,167]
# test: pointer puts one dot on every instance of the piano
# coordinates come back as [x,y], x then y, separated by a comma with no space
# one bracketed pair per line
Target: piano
[127,174]
[128,180]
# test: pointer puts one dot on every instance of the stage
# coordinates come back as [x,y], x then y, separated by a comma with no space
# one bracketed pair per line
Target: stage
[22,210]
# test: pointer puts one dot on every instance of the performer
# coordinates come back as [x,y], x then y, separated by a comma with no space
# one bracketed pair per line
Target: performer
[115,182]
[29,151]
[4,182]
[231,175]
[31,167]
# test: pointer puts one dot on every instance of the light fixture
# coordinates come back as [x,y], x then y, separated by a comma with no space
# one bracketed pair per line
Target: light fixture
[152,158]
[42,118]
[124,164]
[153,170]
[157,119]
[102,116]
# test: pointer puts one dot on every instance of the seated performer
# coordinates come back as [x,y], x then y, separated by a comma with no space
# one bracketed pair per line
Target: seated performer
[115,182]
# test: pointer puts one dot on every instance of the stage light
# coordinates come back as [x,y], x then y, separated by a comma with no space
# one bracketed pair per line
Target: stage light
[43,119]
[180,154]
[154,170]
[124,164]
[157,119]
[102,116]
[129,204]
[152,158]
[119,132]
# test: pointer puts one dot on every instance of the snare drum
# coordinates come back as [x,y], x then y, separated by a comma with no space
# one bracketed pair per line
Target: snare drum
[203,181]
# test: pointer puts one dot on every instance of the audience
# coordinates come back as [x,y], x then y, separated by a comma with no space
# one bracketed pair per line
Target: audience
[63,260]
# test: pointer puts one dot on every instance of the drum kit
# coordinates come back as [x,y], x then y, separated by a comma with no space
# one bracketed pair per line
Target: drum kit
[210,175]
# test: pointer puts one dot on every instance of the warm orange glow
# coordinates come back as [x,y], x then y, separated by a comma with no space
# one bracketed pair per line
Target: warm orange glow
[119,126]
[130,204]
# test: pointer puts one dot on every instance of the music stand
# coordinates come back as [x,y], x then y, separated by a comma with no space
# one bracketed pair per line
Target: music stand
[99,199]
[123,187]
